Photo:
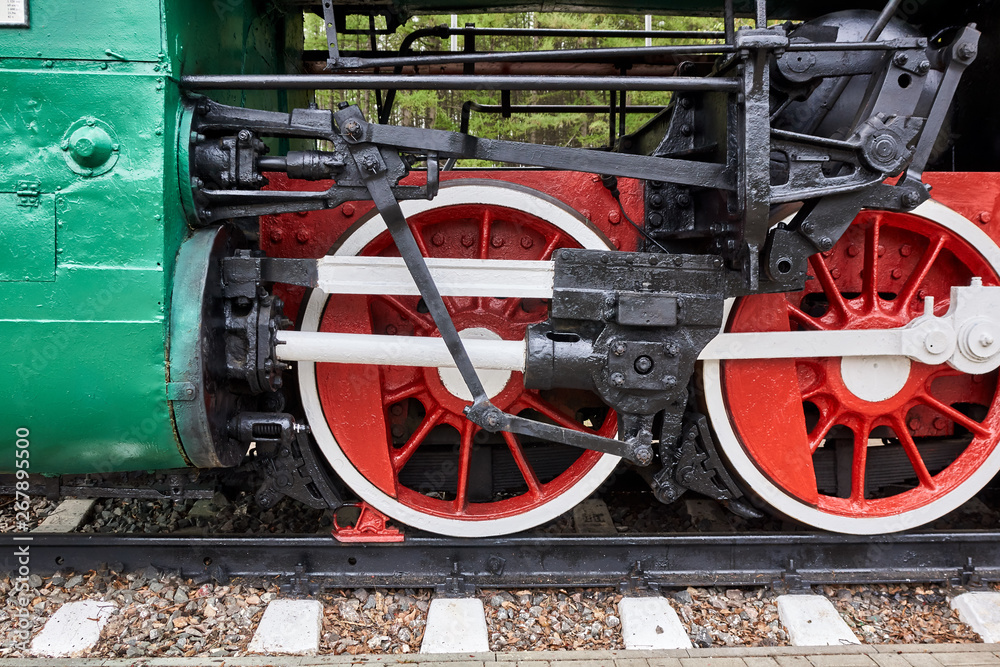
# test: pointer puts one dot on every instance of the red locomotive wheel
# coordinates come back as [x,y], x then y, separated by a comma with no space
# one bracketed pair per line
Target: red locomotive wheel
[863,444]
[397,435]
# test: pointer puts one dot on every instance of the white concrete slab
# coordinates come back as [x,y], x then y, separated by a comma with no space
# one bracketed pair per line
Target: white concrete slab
[651,624]
[812,620]
[67,516]
[707,516]
[75,627]
[455,625]
[591,517]
[981,612]
[289,627]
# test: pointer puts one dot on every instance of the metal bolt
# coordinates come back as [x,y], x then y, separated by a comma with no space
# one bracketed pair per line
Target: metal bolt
[644,365]
[807,228]
[347,210]
[683,200]
[853,250]
[302,236]
[497,242]
[985,217]
[985,340]
[353,129]
[678,260]
[245,135]
[911,199]
[493,420]
[398,431]
[905,250]
[391,329]
[643,455]
[924,67]
[899,59]
[686,130]
[914,424]
[881,250]
[656,201]
[467,240]
[825,242]
[617,379]
[670,382]
[654,220]
[526,242]
[835,273]
[685,102]
[614,217]
[618,348]
[967,51]
[438,239]
[396,410]
[940,423]
[276,236]
[897,274]
[370,162]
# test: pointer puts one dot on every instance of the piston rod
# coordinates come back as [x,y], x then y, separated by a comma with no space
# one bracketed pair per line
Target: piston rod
[344,348]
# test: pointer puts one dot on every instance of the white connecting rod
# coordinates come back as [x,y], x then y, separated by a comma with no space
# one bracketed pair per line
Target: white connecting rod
[498,278]
[343,348]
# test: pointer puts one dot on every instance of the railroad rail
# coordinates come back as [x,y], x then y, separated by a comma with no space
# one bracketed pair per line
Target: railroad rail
[631,562]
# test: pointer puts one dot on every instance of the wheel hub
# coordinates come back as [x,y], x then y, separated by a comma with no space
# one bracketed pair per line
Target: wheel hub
[493,381]
[874,379]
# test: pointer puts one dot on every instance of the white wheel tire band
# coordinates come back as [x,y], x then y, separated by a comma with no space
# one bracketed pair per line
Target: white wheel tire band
[741,464]
[366,230]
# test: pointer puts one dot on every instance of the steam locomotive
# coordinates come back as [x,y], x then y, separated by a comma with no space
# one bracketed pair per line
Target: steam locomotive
[776,292]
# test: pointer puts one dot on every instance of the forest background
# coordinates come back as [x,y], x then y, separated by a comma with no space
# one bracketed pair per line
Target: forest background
[442,109]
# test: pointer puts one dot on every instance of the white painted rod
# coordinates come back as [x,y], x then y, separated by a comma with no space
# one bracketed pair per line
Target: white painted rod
[498,278]
[343,348]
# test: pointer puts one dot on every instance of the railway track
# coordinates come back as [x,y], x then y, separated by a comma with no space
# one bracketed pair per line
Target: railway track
[782,560]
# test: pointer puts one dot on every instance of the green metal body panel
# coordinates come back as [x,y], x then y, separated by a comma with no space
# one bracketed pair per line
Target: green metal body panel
[86,267]
[27,238]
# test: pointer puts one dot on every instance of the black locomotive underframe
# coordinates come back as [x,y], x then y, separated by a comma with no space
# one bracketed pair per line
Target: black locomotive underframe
[785,561]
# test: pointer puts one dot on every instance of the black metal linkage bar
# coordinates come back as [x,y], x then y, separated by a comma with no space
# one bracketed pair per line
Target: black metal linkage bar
[559,55]
[537,560]
[445,31]
[457,82]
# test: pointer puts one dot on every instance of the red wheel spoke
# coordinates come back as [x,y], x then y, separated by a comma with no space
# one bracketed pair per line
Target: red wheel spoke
[485,225]
[527,472]
[551,246]
[822,427]
[917,461]
[399,458]
[919,274]
[968,423]
[404,392]
[795,313]
[858,463]
[510,309]
[870,279]
[464,466]
[552,412]
[417,318]
[833,295]
[421,242]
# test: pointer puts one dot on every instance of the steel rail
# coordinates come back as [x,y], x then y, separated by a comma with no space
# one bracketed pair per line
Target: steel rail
[793,559]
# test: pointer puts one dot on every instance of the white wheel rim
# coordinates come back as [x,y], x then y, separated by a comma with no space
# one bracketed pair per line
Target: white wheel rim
[355,240]
[747,470]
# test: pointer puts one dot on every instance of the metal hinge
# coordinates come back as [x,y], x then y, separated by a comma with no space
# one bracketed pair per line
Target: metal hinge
[28,193]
